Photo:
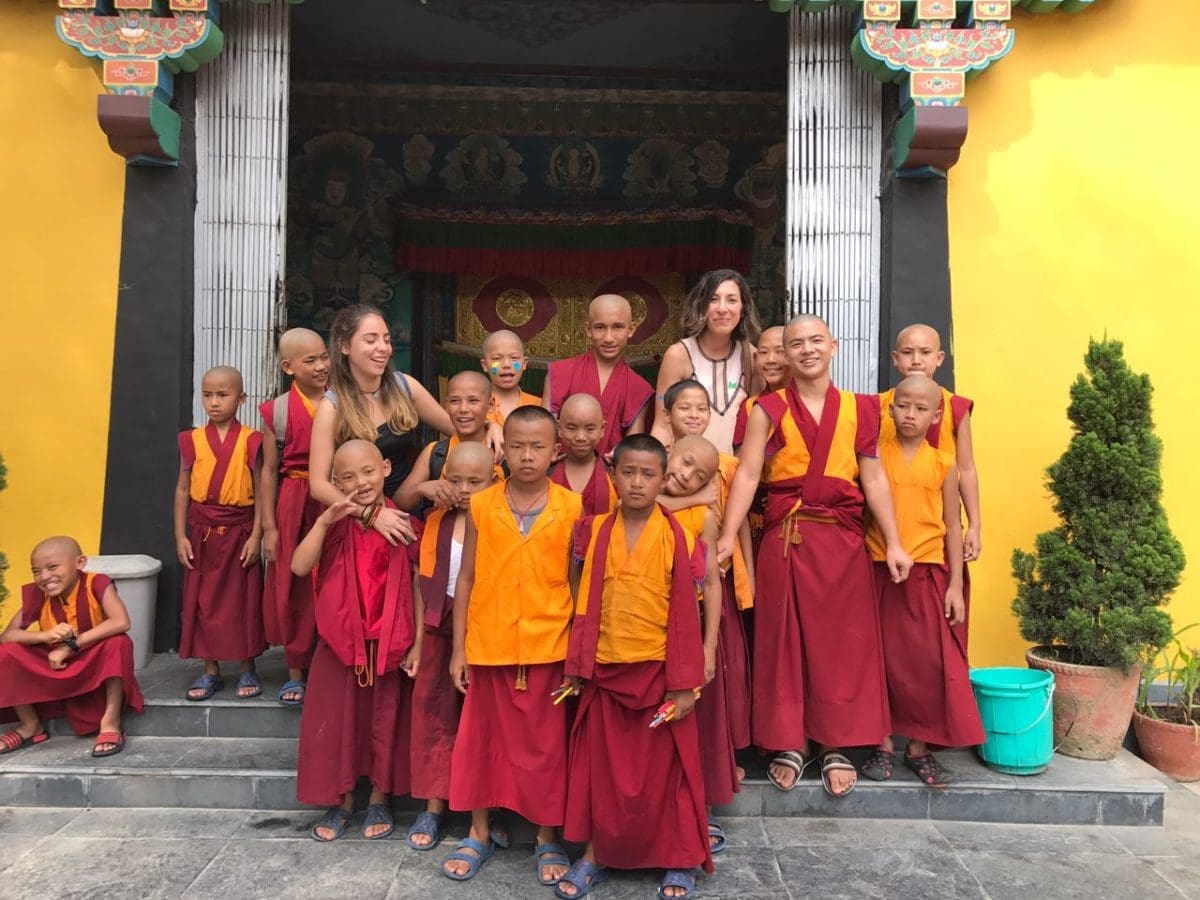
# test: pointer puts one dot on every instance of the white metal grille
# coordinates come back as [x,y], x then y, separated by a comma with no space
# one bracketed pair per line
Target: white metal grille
[834,135]
[241,191]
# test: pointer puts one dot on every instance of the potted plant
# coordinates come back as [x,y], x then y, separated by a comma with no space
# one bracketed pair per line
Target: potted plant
[1089,595]
[1168,733]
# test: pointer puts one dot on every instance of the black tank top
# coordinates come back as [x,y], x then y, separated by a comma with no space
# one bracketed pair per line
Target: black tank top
[396,449]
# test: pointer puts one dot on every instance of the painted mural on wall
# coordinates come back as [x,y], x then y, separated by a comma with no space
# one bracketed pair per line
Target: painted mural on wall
[359,152]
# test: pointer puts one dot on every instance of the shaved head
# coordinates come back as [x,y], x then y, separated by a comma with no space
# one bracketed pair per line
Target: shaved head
[298,341]
[470,379]
[703,449]
[225,373]
[357,449]
[581,406]
[772,335]
[806,319]
[923,334]
[610,303]
[920,386]
[471,454]
[503,339]
[61,544]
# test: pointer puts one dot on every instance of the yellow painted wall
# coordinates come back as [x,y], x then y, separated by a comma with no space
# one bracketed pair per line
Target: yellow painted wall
[1075,211]
[62,195]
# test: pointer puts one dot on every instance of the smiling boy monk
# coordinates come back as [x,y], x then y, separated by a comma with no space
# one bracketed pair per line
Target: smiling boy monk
[582,470]
[929,687]
[288,512]
[603,373]
[504,362]
[512,612]
[771,362]
[78,661]
[636,794]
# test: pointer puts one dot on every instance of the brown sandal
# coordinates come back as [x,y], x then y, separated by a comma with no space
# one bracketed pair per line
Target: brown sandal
[929,770]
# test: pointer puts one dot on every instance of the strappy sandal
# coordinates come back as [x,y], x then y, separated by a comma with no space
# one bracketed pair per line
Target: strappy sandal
[929,770]
[115,738]
[836,762]
[583,877]
[715,831]
[789,759]
[336,820]
[248,680]
[879,765]
[678,878]
[474,863]
[12,741]
[291,687]
[209,684]
[378,814]
[429,824]
[550,854]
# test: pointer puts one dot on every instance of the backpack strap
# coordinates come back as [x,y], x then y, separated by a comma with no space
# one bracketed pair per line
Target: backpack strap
[279,421]
[437,458]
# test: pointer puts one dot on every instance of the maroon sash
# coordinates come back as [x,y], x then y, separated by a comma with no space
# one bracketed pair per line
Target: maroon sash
[595,494]
[434,587]
[32,599]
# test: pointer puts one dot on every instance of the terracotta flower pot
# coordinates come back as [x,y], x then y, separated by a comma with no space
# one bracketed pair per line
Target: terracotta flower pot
[1092,705]
[1171,748]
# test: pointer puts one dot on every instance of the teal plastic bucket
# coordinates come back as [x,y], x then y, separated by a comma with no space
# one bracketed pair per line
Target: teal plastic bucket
[1016,708]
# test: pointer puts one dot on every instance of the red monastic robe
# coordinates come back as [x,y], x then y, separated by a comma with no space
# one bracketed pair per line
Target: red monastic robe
[76,691]
[356,714]
[599,496]
[288,615]
[623,399]
[818,661]
[222,600]
[436,703]
[637,793]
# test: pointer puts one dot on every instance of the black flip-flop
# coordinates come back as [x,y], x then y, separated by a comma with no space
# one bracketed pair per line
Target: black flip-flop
[931,772]
[879,765]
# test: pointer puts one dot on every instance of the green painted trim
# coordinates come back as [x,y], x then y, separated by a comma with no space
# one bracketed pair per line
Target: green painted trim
[166,125]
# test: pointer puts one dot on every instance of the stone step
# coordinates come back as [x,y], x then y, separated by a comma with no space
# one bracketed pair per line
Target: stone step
[259,773]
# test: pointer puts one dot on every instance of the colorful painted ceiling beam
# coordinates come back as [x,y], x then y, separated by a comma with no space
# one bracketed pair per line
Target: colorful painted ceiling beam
[142,45]
[930,48]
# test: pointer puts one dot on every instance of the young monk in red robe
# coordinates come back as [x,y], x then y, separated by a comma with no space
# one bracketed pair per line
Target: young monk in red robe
[356,717]
[218,530]
[603,373]
[504,362]
[66,653]
[636,794]
[818,667]
[929,687]
[919,352]
[723,713]
[288,512]
[468,398]
[582,470]
[512,612]
[436,703]
[773,372]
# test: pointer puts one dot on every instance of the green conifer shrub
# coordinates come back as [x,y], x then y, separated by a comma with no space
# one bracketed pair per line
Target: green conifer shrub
[1092,589]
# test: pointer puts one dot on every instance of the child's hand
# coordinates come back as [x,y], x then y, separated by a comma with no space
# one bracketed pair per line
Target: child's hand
[956,609]
[395,526]
[338,511]
[183,550]
[710,664]
[59,657]
[412,661]
[724,548]
[270,544]
[249,554]
[442,494]
[493,439]
[460,672]
[685,702]
[707,495]
[576,684]
[972,545]
[899,563]
[58,633]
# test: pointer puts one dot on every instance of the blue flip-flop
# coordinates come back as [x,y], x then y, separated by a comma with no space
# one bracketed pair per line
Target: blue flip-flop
[583,877]
[429,824]
[378,814]
[716,831]
[208,683]
[249,680]
[336,820]
[550,854]
[679,878]
[291,687]
[474,863]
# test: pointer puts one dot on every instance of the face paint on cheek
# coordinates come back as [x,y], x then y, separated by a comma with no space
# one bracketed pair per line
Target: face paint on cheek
[516,367]
[495,368]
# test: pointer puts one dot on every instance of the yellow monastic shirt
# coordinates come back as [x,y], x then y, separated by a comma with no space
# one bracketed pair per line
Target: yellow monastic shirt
[917,498]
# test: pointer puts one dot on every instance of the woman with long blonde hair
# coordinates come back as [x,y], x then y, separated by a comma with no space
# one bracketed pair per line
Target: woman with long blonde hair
[720,328]
[368,399]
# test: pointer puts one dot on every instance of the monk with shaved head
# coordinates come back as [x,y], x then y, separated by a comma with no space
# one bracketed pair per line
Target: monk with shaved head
[603,373]
[218,536]
[582,469]
[288,510]
[818,669]
[468,402]
[504,362]
[66,652]
[929,688]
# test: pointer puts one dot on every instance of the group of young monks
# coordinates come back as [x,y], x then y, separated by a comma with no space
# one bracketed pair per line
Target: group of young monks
[562,635]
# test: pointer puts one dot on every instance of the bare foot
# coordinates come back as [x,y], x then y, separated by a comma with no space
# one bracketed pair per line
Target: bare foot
[741,774]
[782,775]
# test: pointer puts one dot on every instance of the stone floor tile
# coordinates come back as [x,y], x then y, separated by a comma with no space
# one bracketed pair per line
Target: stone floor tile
[876,872]
[748,872]
[1056,839]
[14,846]
[743,832]
[1021,876]
[301,869]
[92,867]
[862,833]
[241,753]
[278,824]
[154,823]
[34,820]
[1182,872]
